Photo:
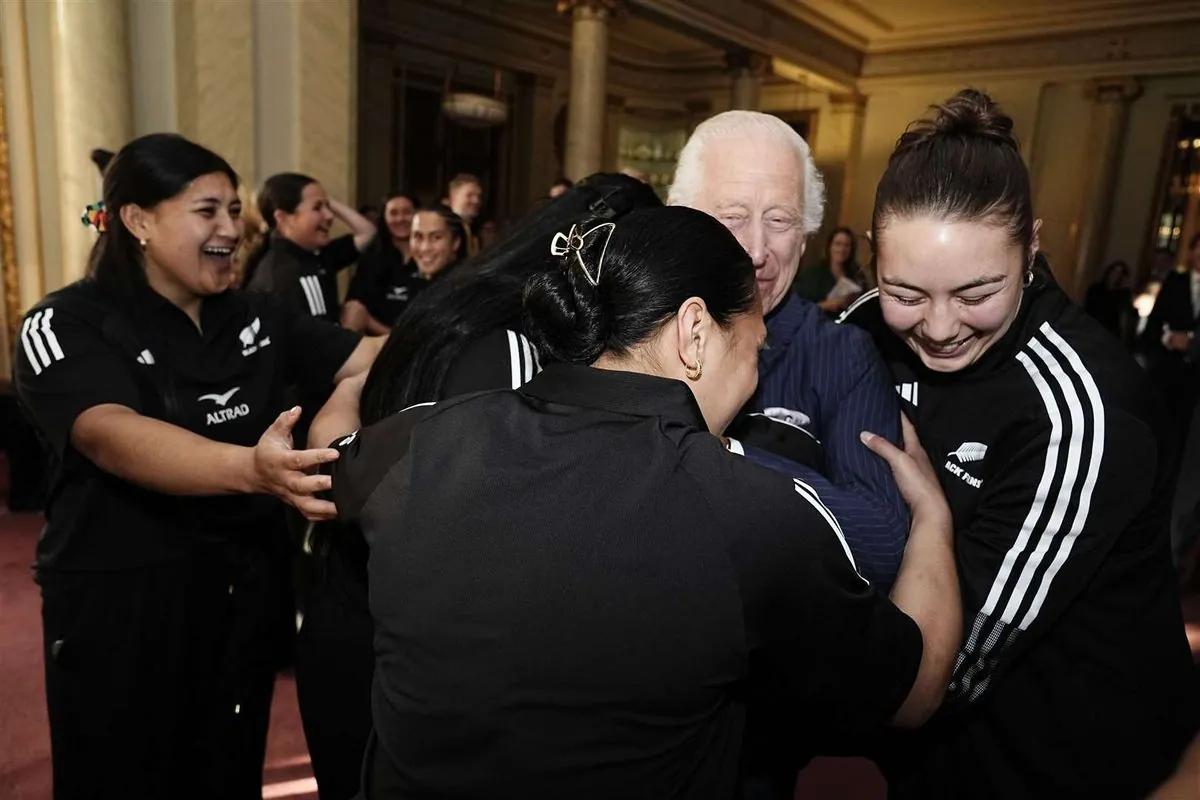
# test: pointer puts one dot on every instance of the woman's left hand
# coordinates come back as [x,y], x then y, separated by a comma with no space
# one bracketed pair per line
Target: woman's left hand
[283,471]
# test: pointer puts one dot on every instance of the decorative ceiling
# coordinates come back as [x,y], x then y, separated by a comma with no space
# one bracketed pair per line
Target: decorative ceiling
[887,25]
[833,45]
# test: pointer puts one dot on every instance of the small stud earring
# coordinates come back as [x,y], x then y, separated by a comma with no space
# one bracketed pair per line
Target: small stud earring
[142,242]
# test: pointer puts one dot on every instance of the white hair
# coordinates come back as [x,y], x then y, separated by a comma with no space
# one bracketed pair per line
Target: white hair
[689,173]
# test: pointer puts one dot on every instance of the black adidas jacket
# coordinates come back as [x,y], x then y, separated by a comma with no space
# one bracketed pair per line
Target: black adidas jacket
[1074,679]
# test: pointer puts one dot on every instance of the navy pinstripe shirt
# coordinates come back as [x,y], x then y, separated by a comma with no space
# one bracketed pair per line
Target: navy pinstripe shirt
[830,378]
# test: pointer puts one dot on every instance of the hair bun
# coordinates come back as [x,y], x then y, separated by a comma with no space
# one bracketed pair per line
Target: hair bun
[968,114]
[563,316]
[974,113]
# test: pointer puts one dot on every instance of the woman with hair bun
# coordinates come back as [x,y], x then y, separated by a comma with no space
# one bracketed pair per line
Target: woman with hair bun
[1074,679]
[461,335]
[578,589]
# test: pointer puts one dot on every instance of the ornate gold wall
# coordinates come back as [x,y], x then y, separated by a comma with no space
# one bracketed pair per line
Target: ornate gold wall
[8,255]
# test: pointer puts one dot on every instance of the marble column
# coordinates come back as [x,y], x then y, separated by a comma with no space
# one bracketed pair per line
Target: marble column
[589,77]
[214,73]
[305,81]
[747,70]
[193,73]
[1105,136]
[92,108]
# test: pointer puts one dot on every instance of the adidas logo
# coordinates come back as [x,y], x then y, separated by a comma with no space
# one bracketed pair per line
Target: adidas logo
[908,392]
[145,357]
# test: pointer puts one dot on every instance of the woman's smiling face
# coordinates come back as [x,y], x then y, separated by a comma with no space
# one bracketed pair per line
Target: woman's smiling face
[950,290]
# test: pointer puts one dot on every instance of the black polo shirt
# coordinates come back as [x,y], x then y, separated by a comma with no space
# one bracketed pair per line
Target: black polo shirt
[385,283]
[82,347]
[306,281]
[498,360]
[578,590]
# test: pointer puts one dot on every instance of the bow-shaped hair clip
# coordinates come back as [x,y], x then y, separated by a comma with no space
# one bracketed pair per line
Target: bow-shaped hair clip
[575,242]
[95,216]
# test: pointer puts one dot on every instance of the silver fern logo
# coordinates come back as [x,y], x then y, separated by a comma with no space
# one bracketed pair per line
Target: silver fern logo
[968,452]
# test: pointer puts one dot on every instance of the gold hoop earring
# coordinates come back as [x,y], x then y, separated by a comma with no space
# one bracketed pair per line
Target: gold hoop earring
[694,371]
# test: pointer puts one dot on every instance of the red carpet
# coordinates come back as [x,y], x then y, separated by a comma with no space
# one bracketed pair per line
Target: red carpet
[24,736]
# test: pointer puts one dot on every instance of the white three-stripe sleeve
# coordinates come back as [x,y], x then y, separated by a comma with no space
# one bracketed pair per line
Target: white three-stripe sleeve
[1091,476]
[312,292]
[308,297]
[1068,465]
[40,342]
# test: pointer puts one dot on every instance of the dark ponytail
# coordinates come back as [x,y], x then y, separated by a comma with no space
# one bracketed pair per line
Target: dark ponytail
[654,260]
[282,192]
[145,172]
[963,165]
[102,158]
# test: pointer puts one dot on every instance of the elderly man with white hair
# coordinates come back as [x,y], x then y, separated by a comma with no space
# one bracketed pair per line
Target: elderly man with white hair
[755,174]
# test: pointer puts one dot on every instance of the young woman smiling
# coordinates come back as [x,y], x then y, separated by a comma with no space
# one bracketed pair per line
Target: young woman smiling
[1074,679]
[159,397]
[299,261]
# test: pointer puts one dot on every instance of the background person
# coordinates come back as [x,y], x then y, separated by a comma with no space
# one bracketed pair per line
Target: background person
[1110,301]
[838,280]
[465,199]
[380,288]
[299,261]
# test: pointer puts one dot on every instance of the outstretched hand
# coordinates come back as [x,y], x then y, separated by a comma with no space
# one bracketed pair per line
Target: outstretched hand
[285,472]
[915,476]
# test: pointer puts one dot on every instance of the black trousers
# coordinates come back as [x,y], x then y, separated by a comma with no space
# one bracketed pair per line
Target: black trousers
[159,679]
[335,662]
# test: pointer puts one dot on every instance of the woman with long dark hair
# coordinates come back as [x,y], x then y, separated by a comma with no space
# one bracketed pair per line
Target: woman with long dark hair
[165,602]
[462,334]
[838,280]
